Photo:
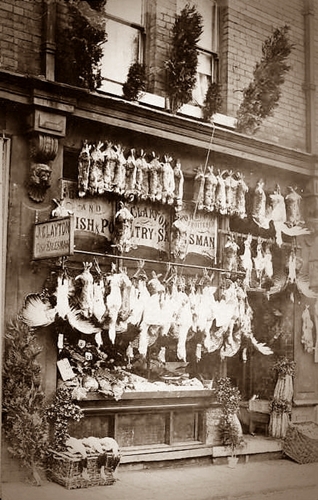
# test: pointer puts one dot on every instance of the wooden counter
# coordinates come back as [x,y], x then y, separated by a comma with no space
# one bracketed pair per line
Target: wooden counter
[147,419]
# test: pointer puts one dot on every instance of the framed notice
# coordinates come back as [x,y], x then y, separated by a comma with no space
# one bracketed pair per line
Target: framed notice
[54,238]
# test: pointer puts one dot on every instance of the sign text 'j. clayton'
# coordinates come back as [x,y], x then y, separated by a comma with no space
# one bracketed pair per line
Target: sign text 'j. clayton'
[54,238]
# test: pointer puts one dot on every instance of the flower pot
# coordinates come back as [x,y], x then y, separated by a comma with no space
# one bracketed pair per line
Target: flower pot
[232,462]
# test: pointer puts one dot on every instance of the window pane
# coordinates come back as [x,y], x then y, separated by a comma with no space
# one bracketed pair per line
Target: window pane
[129,10]
[120,51]
[203,78]
[206,9]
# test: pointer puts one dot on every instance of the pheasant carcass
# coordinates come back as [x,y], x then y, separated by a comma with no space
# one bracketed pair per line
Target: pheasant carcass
[154,171]
[181,320]
[167,176]
[307,330]
[259,261]
[86,298]
[246,260]
[131,172]
[113,301]
[99,307]
[241,191]
[119,179]
[206,305]
[139,295]
[198,189]
[220,194]
[178,185]
[96,177]
[110,161]
[209,189]
[84,162]
[152,314]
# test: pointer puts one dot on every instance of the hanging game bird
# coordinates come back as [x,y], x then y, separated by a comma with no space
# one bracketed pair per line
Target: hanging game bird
[38,310]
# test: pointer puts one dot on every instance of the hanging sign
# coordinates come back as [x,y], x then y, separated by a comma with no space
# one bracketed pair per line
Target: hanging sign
[150,226]
[200,231]
[92,215]
[54,238]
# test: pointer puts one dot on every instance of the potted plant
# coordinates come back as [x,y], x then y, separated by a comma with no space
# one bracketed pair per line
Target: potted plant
[230,429]
[135,84]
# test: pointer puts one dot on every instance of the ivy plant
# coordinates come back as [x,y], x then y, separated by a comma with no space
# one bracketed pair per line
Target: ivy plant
[79,43]
[24,420]
[262,95]
[182,65]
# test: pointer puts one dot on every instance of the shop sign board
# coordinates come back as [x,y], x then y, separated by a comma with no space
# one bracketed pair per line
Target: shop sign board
[54,238]
[91,215]
[150,226]
[201,231]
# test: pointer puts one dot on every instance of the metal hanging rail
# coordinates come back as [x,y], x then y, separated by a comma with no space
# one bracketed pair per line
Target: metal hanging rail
[153,261]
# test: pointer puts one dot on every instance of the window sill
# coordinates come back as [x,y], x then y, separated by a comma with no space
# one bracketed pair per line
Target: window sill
[156,101]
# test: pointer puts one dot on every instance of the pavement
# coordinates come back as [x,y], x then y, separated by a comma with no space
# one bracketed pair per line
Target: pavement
[270,479]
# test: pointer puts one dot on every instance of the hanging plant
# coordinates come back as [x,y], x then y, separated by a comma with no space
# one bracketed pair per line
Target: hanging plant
[212,102]
[60,413]
[261,97]
[135,84]
[24,421]
[79,44]
[182,65]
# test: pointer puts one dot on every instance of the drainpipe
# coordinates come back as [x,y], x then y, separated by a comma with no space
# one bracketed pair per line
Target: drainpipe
[48,44]
[309,85]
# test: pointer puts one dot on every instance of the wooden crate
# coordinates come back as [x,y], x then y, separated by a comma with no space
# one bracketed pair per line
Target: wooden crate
[77,472]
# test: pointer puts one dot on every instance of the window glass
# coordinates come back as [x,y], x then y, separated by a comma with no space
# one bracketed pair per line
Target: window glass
[121,50]
[129,10]
[124,44]
[207,47]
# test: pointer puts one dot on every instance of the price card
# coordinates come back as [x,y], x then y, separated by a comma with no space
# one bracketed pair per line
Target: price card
[65,369]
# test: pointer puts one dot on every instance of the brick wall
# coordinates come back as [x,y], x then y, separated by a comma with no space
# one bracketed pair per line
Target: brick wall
[161,19]
[247,25]
[20,35]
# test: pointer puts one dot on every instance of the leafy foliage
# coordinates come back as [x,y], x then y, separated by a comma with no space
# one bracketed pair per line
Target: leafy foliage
[229,397]
[212,102]
[261,96]
[60,412]
[79,50]
[284,366]
[135,83]
[182,64]
[24,420]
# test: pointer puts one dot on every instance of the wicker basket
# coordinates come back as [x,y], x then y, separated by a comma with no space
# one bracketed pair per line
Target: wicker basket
[73,472]
[301,442]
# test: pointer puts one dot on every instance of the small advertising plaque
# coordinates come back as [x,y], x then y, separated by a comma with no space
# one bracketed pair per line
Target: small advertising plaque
[54,238]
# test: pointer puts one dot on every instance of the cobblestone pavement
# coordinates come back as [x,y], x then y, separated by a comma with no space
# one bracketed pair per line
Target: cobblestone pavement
[264,480]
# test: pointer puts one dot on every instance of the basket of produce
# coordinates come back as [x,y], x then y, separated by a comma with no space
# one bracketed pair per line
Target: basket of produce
[80,466]
[301,442]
